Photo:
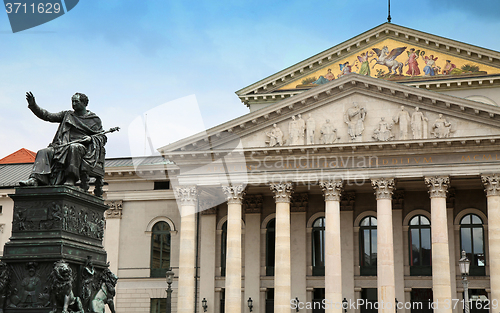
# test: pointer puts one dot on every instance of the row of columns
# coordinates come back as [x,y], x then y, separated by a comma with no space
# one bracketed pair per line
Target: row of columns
[384,187]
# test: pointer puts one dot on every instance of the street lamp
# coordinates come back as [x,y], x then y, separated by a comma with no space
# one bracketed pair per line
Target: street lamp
[204,304]
[250,304]
[344,305]
[170,278]
[464,264]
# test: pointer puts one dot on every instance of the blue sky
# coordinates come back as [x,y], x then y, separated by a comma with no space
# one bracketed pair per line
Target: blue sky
[130,57]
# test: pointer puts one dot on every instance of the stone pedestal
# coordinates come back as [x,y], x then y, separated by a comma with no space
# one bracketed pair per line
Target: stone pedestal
[51,224]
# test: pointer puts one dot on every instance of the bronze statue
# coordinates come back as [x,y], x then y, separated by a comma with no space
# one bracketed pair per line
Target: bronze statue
[77,147]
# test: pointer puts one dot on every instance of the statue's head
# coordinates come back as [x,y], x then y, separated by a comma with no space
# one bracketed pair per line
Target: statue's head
[82,97]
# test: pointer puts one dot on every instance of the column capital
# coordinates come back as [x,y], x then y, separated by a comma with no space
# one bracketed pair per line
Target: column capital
[438,186]
[234,194]
[115,209]
[186,195]
[332,189]
[282,191]
[491,184]
[384,188]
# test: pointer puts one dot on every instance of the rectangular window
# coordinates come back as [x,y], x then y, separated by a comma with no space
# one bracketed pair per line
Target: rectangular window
[158,305]
[270,300]
[1,209]
[162,185]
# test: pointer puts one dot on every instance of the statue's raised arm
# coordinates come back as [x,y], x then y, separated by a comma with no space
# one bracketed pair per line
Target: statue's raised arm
[77,150]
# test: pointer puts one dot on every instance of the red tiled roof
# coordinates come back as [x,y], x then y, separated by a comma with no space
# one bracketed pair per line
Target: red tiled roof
[20,156]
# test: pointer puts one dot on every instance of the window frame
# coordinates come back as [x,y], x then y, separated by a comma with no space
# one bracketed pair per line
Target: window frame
[419,270]
[474,269]
[367,270]
[269,264]
[160,272]
[318,270]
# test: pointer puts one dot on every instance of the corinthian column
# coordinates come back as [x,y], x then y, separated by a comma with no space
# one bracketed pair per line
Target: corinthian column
[186,197]
[441,280]
[234,196]
[492,188]
[385,249]
[333,260]
[282,265]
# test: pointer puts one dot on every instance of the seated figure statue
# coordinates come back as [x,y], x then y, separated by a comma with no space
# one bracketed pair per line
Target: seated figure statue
[76,149]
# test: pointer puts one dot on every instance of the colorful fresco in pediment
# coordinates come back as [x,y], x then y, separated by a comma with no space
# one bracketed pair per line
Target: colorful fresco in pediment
[397,61]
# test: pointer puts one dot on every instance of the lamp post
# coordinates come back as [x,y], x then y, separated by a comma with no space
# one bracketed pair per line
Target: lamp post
[250,304]
[170,277]
[464,264]
[204,304]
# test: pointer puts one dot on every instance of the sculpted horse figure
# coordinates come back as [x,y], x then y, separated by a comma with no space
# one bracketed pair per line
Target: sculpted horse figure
[389,59]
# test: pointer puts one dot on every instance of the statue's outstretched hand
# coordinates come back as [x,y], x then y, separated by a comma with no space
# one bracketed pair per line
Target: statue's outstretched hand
[31,99]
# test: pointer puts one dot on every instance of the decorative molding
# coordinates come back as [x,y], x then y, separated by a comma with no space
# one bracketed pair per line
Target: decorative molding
[383,187]
[2,228]
[207,203]
[450,198]
[282,192]
[347,201]
[332,190]
[398,199]
[491,184]
[299,202]
[115,209]
[234,194]
[438,186]
[210,211]
[253,204]
[186,195]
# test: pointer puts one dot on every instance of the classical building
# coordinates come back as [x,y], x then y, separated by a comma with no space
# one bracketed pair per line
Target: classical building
[360,173]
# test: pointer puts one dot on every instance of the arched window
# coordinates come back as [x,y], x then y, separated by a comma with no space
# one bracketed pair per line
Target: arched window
[160,249]
[318,247]
[368,246]
[223,249]
[270,245]
[472,241]
[420,246]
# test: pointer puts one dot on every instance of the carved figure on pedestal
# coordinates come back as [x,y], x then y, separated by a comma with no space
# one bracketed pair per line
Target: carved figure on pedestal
[441,128]
[61,289]
[354,118]
[106,293]
[30,286]
[310,130]
[293,132]
[383,132]
[302,128]
[419,124]
[88,273]
[403,119]
[4,284]
[275,136]
[328,133]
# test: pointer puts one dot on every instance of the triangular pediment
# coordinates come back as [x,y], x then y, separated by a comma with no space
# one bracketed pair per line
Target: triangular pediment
[335,101]
[451,60]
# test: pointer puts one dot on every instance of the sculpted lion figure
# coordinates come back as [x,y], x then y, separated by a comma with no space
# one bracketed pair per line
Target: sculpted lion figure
[61,289]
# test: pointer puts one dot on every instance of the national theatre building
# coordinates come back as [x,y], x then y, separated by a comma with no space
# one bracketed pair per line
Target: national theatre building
[360,173]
